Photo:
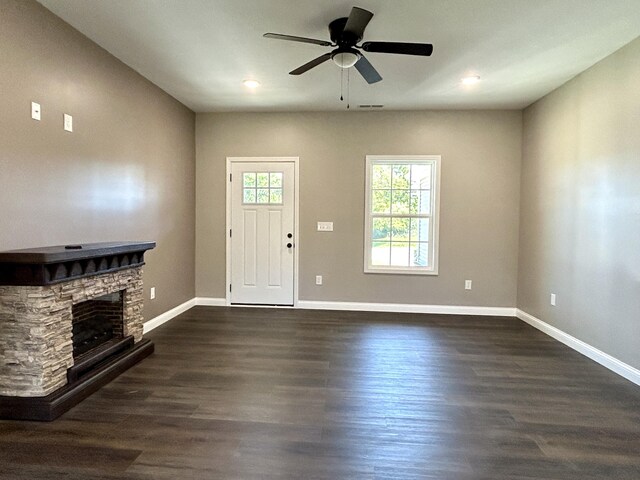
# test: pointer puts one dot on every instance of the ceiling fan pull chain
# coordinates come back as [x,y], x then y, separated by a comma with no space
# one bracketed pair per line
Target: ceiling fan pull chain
[341,83]
[348,88]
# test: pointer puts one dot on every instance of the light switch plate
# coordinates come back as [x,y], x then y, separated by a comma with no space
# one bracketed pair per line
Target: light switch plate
[35,111]
[325,226]
[68,122]
[553,300]
[467,284]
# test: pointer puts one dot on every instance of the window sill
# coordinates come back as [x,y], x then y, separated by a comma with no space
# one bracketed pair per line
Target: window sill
[400,271]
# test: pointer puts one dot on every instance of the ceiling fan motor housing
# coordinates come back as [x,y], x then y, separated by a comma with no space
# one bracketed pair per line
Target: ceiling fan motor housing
[339,36]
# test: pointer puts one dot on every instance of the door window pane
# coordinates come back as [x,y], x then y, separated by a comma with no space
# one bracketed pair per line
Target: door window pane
[262,179]
[275,195]
[249,195]
[275,179]
[263,195]
[249,179]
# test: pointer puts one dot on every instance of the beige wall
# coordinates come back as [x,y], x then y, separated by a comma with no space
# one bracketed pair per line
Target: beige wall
[479,200]
[125,173]
[580,213]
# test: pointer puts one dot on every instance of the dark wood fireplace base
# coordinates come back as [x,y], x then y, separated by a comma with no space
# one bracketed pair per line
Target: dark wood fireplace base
[55,404]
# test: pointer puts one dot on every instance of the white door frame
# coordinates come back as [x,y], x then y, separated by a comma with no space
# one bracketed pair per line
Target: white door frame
[296,217]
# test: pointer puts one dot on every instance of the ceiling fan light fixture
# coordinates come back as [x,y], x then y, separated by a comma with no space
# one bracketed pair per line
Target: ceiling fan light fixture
[249,83]
[345,59]
[470,79]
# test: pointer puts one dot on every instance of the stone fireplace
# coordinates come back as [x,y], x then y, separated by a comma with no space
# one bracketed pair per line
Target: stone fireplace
[70,321]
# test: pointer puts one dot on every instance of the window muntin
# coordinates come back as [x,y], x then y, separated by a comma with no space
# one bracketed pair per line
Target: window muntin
[262,188]
[401,218]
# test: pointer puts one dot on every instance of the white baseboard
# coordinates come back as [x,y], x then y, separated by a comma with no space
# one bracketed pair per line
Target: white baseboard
[211,302]
[627,371]
[409,308]
[166,316]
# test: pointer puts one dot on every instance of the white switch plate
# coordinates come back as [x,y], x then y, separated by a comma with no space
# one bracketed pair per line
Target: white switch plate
[467,284]
[68,122]
[318,279]
[325,226]
[152,293]
[35,111]
[553,299]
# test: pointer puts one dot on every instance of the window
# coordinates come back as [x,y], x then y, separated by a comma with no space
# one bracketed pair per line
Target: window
[262,187]
[401,221]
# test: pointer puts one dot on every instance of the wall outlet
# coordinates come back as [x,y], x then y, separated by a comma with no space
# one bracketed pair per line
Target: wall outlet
[318,279]
[152,293]
[553,299]
[467,284]
[325,226]
[35,111]
[68,122]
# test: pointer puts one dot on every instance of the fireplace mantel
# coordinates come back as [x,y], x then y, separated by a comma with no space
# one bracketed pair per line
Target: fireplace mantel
[51,265]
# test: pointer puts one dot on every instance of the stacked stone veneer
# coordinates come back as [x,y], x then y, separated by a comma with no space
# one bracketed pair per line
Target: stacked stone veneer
[36,346]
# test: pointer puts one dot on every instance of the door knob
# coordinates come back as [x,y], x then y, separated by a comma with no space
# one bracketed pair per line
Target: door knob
[289,245]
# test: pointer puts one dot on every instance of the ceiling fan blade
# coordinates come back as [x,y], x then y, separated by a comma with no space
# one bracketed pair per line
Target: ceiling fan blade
[313,63]
[369,73]
[292,38]
[423,49]
[358,20]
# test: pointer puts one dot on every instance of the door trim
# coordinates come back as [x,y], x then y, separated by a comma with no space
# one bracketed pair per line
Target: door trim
[296,218]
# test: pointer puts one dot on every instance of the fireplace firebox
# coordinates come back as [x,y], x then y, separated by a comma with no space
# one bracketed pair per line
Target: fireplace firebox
[70,322]
[96,322]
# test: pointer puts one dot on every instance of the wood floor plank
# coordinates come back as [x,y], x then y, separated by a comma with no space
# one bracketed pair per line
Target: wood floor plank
[250,393]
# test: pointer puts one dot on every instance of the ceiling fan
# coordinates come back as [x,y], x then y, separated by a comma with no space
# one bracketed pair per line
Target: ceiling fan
[345,33]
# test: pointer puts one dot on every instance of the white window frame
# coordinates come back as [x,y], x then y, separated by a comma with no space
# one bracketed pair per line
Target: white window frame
[434,160]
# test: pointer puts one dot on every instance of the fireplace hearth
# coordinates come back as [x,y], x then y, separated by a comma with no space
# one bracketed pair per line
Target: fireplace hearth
[70,321]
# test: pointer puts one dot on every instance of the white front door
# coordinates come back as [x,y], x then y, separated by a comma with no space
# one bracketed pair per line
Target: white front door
[262,232]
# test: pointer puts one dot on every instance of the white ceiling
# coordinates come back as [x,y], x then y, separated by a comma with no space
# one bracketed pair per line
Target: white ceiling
[199,51]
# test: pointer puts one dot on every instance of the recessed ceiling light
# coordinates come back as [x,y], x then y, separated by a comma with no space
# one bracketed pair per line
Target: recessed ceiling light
[251,83]
[471,79]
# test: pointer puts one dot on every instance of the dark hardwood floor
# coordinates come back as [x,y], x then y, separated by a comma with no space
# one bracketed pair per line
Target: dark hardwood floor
[270,394]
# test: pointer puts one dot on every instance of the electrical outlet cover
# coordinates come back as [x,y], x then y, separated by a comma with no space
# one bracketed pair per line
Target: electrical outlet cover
[325,227]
